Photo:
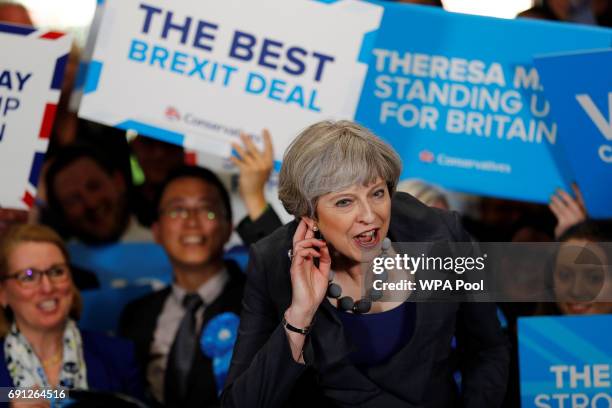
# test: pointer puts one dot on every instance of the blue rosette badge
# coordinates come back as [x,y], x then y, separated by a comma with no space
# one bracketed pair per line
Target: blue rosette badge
[217,343]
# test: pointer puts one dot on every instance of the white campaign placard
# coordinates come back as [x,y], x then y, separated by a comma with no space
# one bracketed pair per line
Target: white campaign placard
[31,74]
[196,73]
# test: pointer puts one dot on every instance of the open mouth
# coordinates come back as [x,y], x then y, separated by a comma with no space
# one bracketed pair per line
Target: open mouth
[49,305]
[192,240]
[367,239]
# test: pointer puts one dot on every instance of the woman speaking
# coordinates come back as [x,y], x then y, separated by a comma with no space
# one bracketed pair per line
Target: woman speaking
[309,336]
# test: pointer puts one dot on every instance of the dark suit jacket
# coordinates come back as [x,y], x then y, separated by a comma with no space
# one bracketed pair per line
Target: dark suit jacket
[252,231]
[139,320]
[109,361]
[264,374]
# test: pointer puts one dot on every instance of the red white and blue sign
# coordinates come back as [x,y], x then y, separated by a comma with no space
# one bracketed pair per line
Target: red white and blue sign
[31,75]
[579,87]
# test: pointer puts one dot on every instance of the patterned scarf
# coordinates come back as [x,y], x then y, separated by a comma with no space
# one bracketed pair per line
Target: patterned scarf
[27,371]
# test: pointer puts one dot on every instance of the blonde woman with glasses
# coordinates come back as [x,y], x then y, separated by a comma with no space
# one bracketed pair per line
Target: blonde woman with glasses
[42,347]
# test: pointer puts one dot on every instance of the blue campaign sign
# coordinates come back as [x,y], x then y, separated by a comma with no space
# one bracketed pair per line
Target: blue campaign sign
[579,87]
[459,98]
[565,361]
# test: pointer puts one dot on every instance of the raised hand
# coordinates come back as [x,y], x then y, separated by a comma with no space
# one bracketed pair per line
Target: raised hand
[569,211]
[255,167]
[308,281]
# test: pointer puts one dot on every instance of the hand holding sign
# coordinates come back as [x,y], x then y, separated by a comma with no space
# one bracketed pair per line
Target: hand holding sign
[579,86]
[255,168]
[569,211]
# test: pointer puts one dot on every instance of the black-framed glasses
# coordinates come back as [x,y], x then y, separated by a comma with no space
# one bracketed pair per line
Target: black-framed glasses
[31,277]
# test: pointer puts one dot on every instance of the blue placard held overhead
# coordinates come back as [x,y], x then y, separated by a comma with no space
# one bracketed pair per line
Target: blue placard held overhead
[579,86]
[565,361]
[459,98]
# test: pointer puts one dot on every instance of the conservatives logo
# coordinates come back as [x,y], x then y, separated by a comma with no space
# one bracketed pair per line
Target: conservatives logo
[426,156]
[442,159]
[172,113]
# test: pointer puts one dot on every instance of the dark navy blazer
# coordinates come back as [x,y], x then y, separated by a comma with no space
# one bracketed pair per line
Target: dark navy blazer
[110,363]
[419,375]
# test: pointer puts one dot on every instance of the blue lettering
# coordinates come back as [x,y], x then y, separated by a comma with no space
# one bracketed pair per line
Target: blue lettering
[322,60]
[213,72]
[159,54]
[150,10]
[201,34]
[138,51]
[10,104]
[300,67]
[2,129]
[271,54]
[311,103]
[296,96]
[265,52]
[22,80]
[246,45]
[229,70]
[198,66]
[181,28]
[5,80]
[178,62]
[277,86]
[253,86]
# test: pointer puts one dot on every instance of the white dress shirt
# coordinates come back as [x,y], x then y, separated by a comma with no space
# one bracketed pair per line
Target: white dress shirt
[168,323]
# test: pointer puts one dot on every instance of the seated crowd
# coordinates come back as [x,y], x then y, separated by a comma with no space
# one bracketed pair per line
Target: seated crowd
[87,200]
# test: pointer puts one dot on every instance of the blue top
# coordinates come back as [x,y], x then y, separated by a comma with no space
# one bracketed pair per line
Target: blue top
[378,336]
[110,364]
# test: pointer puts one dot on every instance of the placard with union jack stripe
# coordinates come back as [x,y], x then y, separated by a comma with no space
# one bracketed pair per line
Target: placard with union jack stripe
[31,75]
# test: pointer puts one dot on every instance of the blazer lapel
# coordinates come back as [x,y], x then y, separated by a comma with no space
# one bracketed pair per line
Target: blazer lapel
[327,351]
[143,328]
[327,344]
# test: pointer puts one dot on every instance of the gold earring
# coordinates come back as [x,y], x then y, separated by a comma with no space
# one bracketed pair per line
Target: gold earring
[315,228]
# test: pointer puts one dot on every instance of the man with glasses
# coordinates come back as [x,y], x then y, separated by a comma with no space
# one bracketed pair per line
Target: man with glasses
[194,223]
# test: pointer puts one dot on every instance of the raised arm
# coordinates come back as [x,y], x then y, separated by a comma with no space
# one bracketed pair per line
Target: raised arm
[568,210]
[267,358]
[255,167]
[263,370]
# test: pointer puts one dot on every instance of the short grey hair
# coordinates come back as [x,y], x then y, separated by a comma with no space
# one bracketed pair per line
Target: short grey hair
[331,156]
